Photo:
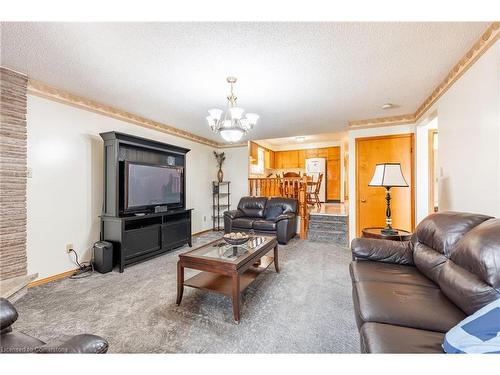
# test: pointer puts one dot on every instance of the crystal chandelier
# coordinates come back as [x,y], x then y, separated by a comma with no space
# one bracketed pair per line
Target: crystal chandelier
[230,124]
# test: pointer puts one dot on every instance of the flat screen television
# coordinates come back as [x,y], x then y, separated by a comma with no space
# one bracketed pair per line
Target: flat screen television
[150,185]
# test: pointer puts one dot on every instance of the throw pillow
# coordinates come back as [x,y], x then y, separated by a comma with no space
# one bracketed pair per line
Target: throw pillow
[478,333]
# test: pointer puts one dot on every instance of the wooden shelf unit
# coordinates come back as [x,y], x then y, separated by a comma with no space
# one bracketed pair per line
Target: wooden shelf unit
[221,201]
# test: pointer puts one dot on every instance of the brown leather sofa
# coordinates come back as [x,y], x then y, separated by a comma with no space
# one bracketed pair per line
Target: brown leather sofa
[407,295]
[271,216]
[19,342]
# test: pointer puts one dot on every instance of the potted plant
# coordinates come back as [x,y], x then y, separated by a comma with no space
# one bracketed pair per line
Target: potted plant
[220,157]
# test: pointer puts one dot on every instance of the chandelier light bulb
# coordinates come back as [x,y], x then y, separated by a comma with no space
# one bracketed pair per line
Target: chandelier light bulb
[236,113]
[252,118]
[245,124]
[215,113]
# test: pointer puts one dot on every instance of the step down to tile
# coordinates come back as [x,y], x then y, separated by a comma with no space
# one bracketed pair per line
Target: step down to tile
[15,287]
[328,229]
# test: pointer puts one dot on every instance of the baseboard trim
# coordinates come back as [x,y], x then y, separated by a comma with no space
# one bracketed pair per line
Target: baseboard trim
[202,232]
[50,279]
[69,273]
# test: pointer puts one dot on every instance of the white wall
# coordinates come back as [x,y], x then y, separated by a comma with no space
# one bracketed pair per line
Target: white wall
[361,133]
[64,194]
[469,139]
[236,170]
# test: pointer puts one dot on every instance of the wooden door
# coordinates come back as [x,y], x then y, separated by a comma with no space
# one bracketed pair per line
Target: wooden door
[333,174]
[370,201]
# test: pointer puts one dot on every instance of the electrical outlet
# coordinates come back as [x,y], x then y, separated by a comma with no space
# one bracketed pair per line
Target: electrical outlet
[69,247]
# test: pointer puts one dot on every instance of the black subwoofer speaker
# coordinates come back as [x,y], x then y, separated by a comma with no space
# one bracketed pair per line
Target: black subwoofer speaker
[103,256]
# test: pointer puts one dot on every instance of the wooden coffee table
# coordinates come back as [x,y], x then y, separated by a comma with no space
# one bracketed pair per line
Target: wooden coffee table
[227,269]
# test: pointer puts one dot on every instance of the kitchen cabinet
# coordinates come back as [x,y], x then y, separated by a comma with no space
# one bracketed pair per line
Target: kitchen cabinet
[302,158]
[311,153]
[254,153]
[291,159]
[278,159]
[269,159]
[333,166]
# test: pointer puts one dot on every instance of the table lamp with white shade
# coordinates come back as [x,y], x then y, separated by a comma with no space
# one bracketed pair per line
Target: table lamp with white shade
[388,175]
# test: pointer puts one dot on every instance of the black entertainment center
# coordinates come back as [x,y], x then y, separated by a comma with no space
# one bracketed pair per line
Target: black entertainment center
[144,211]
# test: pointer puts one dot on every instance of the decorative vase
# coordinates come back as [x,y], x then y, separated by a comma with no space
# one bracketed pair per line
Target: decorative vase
[220,175]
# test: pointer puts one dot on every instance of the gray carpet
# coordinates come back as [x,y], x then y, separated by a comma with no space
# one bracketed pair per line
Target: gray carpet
[306,308]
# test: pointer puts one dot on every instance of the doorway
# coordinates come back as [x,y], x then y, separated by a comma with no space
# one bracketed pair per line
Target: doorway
[433,171]
[370,201]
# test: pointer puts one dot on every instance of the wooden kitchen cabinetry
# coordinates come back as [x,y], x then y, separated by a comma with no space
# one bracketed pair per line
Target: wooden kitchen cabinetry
[254,153]
[333,166]
[302,158]
[269,159]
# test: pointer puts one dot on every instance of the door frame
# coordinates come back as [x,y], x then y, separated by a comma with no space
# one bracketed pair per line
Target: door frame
[431,176]
[412,184]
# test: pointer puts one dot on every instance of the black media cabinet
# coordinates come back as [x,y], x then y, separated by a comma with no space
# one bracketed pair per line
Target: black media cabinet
[142,237]
[139,237]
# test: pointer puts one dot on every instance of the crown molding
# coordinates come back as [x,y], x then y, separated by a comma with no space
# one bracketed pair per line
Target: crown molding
[383,121]
[487,39]
[49,92]
[232,145]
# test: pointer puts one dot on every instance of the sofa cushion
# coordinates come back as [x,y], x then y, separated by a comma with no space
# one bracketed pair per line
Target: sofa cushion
[243,222]
[441,231]
[413,306]
[252,206]
[465,289]
[277,206]
[428,261]
[264,225]
[478,252]
[386,338]
[387,272]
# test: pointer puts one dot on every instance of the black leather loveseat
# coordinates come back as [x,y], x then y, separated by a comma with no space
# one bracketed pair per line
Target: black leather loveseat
[18,342]
[275,216]
[407,295]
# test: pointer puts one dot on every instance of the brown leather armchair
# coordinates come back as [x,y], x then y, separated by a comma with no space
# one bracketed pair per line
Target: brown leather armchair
[19,342]
[271,216]
[407,295]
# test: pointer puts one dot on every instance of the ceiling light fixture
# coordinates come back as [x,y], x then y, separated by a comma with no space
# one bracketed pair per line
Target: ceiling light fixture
[230,125]
[300,138]
[387,106]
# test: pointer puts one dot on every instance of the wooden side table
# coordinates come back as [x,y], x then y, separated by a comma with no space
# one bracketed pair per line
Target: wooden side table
[375,232]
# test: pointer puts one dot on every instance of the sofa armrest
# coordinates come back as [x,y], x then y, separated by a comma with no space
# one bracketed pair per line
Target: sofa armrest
[233,214]
[288,215]
[398,252]
[8,315]
[90,344]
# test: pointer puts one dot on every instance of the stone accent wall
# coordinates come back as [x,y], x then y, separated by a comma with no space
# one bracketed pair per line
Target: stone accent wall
[13,174]
[328,228]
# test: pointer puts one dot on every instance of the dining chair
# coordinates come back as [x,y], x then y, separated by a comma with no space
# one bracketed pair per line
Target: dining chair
[313,188]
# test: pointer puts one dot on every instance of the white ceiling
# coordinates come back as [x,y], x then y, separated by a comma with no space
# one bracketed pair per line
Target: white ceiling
[301,78]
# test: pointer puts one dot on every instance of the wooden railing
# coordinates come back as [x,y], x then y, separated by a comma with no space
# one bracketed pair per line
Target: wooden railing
[288,187]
